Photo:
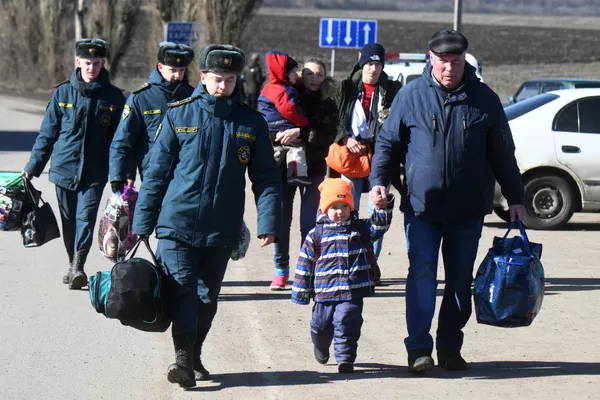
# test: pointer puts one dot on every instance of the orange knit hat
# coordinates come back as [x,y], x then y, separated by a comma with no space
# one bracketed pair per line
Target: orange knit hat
[335,189]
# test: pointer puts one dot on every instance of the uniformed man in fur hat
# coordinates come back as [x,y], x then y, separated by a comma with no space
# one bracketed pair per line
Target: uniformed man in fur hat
[77,129]
[194,194]
[145,109]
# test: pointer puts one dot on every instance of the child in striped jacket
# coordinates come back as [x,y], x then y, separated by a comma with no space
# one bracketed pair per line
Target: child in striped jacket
[337,267]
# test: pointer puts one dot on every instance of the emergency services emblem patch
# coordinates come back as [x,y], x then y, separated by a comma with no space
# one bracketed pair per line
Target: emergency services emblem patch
[244,154]
[105,120]
[126,112]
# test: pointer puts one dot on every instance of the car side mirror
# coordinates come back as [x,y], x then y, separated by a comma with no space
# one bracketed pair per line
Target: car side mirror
[511,99]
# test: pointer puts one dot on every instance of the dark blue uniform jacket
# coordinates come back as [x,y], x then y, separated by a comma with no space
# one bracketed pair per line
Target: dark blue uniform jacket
[144,110]
[77,130]
[195,184]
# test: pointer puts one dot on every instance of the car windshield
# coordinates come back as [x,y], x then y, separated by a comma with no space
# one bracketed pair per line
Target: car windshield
[527,105]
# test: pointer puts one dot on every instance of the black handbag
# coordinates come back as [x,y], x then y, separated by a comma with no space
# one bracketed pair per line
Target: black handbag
[39,225]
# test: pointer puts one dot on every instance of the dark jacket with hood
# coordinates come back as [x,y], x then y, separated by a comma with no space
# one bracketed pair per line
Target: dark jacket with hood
[278,100]
[77,129]
[144,110]
[195,185]
[453,144]
[347,94]
[322,123]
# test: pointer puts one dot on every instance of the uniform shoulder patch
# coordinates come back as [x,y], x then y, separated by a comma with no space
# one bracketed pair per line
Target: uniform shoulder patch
[62,83]
[140,88]
[181,102]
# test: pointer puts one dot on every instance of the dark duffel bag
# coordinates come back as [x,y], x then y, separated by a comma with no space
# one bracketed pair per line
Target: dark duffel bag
[39,225]
[134,292]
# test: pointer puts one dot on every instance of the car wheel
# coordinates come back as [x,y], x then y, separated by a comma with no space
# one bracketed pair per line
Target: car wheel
[549,202]
[503,214]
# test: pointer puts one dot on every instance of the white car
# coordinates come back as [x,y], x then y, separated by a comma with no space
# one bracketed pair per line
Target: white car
[557,139]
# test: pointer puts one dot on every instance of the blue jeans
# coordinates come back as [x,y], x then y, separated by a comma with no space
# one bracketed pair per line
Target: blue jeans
[340,322]
[459,242]
[78,214]
[309,205]
[357,185]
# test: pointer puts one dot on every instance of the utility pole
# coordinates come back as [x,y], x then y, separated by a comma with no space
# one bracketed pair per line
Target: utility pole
[458,15]
[79,12]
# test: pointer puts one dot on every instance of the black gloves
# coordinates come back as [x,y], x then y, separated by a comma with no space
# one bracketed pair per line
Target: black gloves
[117,186]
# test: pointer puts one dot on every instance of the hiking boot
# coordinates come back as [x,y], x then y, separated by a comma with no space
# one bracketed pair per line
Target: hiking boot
[451,360]
[278,282]
[66,277]
[345,367]
[77,278]
[420,361]
[181,371]
[200,373]
[321,356]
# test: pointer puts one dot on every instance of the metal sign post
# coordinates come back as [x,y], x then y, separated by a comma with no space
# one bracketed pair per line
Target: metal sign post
[338,33]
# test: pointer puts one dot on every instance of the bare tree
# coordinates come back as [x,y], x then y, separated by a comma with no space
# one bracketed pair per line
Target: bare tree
[179,10]
[226,20]
[112,20]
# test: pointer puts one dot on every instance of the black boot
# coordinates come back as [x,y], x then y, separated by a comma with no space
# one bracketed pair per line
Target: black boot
[77,278]
[206,313]
[181,371]
[66,277]
[200,373]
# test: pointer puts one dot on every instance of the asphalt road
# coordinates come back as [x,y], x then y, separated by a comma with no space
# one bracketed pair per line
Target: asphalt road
[53,345]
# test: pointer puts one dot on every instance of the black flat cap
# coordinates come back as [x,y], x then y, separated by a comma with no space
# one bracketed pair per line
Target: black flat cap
[91,48]
[175,55]
[448,41]
[221,58]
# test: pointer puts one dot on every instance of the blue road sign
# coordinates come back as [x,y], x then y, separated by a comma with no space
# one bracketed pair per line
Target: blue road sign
[182,33]
[347,33]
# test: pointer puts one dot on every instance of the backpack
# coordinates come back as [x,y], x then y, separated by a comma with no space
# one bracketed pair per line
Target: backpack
[365,237]
[134,292]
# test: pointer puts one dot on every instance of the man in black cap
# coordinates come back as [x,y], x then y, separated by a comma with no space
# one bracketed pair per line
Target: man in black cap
[194,194]
[450,131]
[77,129]
[145,109]
[364,100]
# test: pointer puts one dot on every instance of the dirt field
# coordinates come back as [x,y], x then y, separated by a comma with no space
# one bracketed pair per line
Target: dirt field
[511,48]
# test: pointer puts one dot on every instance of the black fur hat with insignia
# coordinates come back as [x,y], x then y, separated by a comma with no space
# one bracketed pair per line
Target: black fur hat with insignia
[175,55]
[91,48]
[221,58]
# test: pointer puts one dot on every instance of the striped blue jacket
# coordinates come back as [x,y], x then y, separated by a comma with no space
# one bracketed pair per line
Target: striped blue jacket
[336,266]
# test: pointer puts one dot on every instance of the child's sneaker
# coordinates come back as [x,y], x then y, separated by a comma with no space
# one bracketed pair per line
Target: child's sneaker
[278,283]
[321,356]
[345,367]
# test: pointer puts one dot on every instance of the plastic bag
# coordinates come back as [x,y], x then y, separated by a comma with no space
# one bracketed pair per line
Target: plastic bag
[39,225]
[12,198]
[240,252]
[509,285]
[130,195]
[114,228]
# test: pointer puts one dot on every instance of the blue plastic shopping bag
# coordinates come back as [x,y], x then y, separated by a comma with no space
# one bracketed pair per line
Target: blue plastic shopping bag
[509,285]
